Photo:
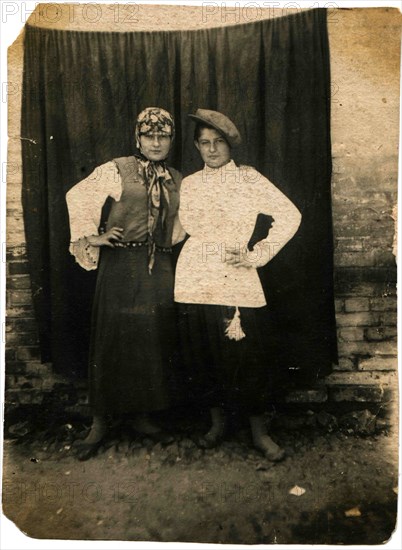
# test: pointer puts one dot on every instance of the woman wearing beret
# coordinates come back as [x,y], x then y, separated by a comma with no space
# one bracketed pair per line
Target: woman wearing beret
[217,283]
[132,318]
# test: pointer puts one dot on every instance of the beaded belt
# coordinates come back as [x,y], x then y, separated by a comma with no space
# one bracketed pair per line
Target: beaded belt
[137,244]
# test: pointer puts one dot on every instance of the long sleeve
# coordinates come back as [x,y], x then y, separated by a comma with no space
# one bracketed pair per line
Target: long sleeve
[270,200]
[85,201]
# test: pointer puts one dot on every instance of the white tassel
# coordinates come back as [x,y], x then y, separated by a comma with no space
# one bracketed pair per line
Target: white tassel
[234,330]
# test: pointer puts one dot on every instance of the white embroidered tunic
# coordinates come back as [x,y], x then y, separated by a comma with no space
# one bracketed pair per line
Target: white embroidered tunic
[218,209]
[85,201]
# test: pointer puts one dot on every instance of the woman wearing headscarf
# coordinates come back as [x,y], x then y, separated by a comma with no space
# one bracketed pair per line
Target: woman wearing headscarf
[223,306]
[132,333]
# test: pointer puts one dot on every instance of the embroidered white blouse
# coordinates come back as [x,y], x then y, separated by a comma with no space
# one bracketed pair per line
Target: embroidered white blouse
[218,209]
[85,201]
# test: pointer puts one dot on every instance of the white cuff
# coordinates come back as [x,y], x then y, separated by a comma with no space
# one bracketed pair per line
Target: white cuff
[86,256]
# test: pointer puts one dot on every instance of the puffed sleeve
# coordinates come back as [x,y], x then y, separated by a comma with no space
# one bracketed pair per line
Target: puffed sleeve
[85,201]
[271,201]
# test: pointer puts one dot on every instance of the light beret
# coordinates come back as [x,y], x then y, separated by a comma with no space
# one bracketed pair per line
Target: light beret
[221,123]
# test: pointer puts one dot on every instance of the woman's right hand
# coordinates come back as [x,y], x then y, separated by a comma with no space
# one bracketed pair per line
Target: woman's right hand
[107,238]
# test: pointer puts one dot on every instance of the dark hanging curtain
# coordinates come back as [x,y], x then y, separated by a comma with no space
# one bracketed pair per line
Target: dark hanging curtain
[82,92]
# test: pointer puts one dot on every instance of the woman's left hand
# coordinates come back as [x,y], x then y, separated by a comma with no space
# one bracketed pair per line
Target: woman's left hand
[238,258]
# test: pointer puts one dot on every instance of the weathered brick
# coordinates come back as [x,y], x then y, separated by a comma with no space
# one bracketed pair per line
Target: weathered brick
[21,339]
[14,199]
[15,233]
[359,394]
[352,288]
[28,353]
[28,381]
[388,318]
[345,227]
[20,297]
[18,268]
[375,334]
[16,252]
[349,244]
[362,379]
[366,183]
[15,367]
[307,396]
[345,363]
[9,381]
[36,368]
[339,305]
[30,396]
[356,305]
[12,397]
[20,311]
[10,355]
[365,259]
[364,318]
[345,211]
[346,349]
[378,363]
[388,303]
[351,334]
[18,282]
[379,276]
[22,325]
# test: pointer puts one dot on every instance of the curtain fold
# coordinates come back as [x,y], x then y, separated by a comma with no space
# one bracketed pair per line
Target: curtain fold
[81,94]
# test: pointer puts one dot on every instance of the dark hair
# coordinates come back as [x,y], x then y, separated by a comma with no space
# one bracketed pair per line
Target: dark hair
[201,125]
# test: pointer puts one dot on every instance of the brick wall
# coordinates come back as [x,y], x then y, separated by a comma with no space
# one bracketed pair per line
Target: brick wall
[365,112]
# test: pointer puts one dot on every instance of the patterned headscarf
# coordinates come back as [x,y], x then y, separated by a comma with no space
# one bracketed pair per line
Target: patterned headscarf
[153,119]
[156,174]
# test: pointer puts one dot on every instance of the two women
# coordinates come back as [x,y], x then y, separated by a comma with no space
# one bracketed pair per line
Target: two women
[223,303]
[217,284]
[132,333]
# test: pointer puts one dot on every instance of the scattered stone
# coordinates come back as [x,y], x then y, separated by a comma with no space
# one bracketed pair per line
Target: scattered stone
[326,420]
[359,422]
[124,447]
[297,491]
[19,429]
[187,444]
[173,448]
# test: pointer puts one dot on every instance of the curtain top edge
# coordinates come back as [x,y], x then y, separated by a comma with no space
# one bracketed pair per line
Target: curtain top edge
[319,10]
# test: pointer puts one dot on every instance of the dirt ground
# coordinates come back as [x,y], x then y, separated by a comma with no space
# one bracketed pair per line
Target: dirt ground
[137,491]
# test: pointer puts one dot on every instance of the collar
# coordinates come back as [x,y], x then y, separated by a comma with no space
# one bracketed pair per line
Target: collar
[228,168]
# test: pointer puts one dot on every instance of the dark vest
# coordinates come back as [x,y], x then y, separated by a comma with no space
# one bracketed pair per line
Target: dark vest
[131,211]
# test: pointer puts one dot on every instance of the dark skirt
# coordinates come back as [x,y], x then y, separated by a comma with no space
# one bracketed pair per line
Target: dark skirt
[133,333]
[238,375]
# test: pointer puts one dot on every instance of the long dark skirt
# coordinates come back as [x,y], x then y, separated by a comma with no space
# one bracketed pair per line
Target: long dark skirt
[237,375]
[133,333]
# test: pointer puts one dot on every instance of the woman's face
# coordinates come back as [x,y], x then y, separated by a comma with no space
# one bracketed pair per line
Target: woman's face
[155,145]
[213,148]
